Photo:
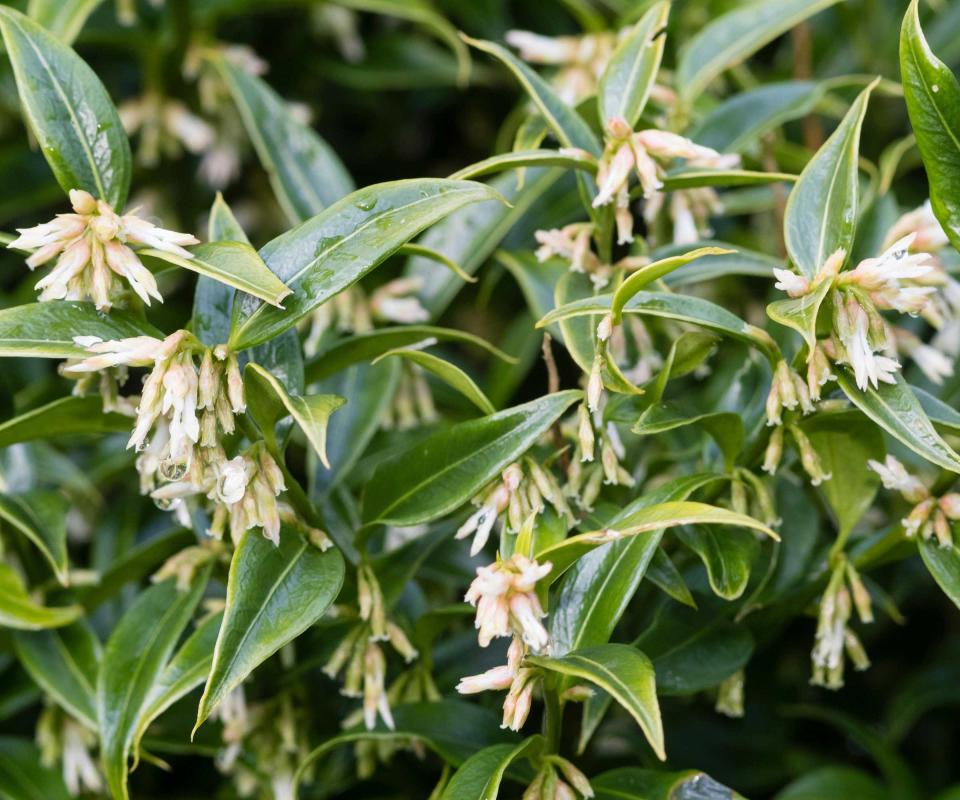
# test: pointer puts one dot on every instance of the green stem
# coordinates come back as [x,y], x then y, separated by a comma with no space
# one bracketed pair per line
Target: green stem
[552,718]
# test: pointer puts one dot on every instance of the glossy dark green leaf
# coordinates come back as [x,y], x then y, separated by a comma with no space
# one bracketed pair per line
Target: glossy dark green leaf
[41,516]
[520,159]
[453,729]
[268,402]
[449,373]
[735,36]
[23,775]
[631,783]
[234,263]
[621,671]
[696,177]
[274,593]
[19,611]
[725,427]
[64,417]
[943,563]
[834,783]
[844,443]
[371,344]
[821,213]
[601,584]
[630,73]
[933,102]
[340,245]
[46,330]
[663,574]
[479,777]
[445,469]
[306,175]
[68,111]
[728,556]
[895,408]
[134,658]
[64,663]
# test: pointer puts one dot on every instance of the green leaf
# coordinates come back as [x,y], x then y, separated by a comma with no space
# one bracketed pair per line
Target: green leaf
[480,776]
[371,344]
[187,670]
[933,103]
[519,159]
[693,178]
[738,262]
[274,593]
[939,412]
[306,175]
[68,111]
[64,664]
[664,574]
[65,417]
[654,271]
[943,563]
[683,308]
[46,330]
[269,402]
[631,783]
[834,783]
[800,313]
[23,775]
[632,69]
[41,516]
[844,442]
[449,373]
[728,557]
[621,671]
[895,408]
[134,658]
[453,729]
[234,263]
[445,469]
[821,213]
[566,125]
[600,585]
[735,36]
[743,118]
[725,427]
[329,252]
[63,18]
[19,611]
[643,521]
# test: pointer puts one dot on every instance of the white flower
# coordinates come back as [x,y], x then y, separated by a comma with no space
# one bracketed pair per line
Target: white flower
[232,479]
[496,678]
[933,363]
[396,301]
[884,276]
[868,367]
[791,283]
[921,222]
[895,477]
[93,247]
[506,602]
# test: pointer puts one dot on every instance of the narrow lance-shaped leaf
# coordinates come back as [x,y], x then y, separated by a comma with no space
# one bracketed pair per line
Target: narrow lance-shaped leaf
[631,783]
[730,39]
[520,159]
[895,408]
[632,69]
[624,673]
[236,264]
[449,373]
[274,593]
[268,403]
[943,563]
[933,103]
[133,659]
[18,610]
[445,469]
[41,516]
[64,417]
[68,111]
[821,213]
[336,248]
[306,175]
[480,776]
[46,330]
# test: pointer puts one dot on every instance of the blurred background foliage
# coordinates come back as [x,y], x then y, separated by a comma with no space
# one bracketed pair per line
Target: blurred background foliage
[386,94]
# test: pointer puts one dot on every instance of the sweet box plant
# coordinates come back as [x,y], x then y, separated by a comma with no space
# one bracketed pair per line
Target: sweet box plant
[615,459]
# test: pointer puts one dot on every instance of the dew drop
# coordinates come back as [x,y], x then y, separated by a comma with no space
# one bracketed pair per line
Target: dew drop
[366,204]
[144,445]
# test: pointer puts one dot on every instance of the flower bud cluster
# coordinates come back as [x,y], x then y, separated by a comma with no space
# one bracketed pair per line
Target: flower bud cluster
[558,779]
[845,591]
[931,517]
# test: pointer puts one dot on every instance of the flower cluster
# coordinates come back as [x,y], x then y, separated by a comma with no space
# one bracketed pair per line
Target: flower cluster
[558,779]
[931,517]
[517,496]
[844,591]
[572,243]
[94,248]
[64,739]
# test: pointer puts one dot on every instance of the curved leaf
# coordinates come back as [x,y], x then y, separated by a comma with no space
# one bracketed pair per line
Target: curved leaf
[933,102]
[690,178]
[46,330]
[631,783]
[68,110]
[943,563]
[63,18]
[274,593]
[65,417]
[479,777]
[329,252]
[445,469]
[520,159]
[621,671]
[449,373]
[19,611]
[41,516]
[821,213]
[306,175]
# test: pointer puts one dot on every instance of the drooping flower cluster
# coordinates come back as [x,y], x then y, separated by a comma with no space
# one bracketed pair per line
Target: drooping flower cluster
[572,243]
[517,496]
[642,152]
[845,591]
[94,248]
[585,476]
[166,127]
[689,210]
[558,779]
[246,492]
[65,740]
[930,517]
[360,653]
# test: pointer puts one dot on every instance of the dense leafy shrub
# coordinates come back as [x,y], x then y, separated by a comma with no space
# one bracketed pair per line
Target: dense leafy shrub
[602,467]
